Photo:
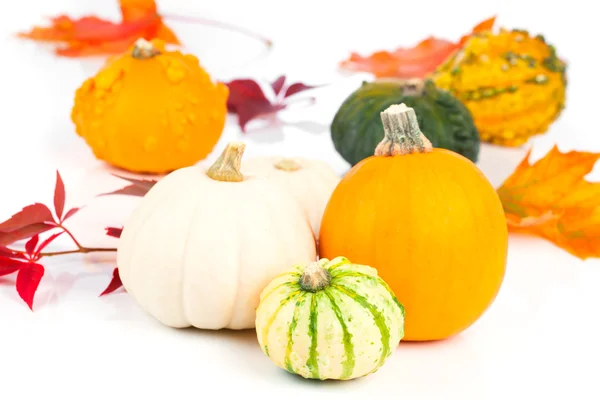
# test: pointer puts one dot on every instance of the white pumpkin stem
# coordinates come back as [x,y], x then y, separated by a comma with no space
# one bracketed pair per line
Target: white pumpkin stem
[143,49]
[287,164]
[315,277]
[402,133]
[227,166]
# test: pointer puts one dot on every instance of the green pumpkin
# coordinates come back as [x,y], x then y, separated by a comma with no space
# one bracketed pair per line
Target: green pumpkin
[357,129]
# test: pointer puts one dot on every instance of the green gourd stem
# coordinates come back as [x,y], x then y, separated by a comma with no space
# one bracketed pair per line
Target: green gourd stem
[315,277]
[402,133]
[227,166]
[287,164]
[143,49]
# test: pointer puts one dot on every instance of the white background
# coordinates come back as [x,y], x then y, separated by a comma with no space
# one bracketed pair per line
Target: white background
[539,339]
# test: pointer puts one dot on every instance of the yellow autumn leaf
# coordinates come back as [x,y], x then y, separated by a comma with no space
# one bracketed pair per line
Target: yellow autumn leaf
[552,199]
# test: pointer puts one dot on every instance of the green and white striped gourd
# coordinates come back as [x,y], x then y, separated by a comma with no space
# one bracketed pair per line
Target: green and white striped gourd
[329,320]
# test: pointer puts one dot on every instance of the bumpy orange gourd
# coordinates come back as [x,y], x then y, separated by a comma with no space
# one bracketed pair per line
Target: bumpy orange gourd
[513,83]
[151,110]
[428,220]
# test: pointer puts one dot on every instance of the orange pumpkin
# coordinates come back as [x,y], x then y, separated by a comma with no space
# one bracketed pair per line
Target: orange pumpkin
[428,220]
[151,110]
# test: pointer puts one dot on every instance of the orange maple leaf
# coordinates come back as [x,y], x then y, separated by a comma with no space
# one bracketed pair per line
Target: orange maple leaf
[552,199]
[90,35]
[412,62]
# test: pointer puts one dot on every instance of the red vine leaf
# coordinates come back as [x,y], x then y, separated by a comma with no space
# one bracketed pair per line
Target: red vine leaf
[28,280]
[6,252]
[31,243]
[297,88]
[138,187]
[114,232]
[248,101]
[91,35]
[114,284]
[71,212]
[59,196]
[242,91]
[30,215]
[9,265]
[46,242]
[278,84]
[25,232]
[412,62]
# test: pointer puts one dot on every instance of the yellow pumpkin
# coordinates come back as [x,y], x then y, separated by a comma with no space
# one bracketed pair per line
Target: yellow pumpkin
[151,110]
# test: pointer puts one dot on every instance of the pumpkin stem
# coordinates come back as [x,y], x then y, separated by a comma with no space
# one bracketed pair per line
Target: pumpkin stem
[287,164]
[143,49]
[402,133]
[227,166]
[315,277]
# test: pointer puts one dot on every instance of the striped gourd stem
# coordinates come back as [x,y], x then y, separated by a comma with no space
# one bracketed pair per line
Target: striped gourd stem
[315,277]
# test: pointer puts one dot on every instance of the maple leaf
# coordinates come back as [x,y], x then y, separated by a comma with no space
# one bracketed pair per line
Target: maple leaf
[248,101]
[552,199]
[90,35]
[138,187]
[412,62]
[114,284]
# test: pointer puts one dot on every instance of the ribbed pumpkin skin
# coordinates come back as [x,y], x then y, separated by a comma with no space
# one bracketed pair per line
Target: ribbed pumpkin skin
[356,128]
[433,227]
[513,83]
[342,332]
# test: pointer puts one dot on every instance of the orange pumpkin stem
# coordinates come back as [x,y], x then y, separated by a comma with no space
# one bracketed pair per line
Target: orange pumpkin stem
[143,49]
[288,165]
[315,277]
[402,133]
[227,166]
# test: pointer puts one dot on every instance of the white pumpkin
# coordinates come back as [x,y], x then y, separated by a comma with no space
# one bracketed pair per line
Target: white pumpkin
[310,181]
[202,244]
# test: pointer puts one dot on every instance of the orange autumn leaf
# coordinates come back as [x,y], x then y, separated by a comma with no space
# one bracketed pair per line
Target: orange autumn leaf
[90,35]
[412,62]
[552,199]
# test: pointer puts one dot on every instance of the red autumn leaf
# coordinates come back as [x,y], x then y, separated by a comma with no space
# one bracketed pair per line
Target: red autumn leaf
[138,187]
[90,35]
[412,62]
[71,212]
[242,91]
[248,101]
[59,196]
[278,84]
[6,252]
[297,88]
[114,232]
[25,232]
[28,280]
[33,214]
[9,265]
[31,243]
[114,284]
[46,242]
